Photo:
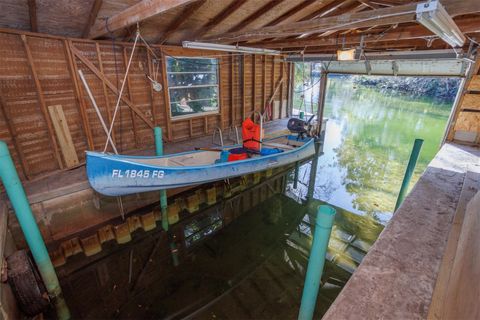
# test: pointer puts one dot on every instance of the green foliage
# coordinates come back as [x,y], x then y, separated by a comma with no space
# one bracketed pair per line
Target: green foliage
[441,89]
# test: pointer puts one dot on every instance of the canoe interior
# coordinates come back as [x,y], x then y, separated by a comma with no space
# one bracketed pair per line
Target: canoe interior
[205,158]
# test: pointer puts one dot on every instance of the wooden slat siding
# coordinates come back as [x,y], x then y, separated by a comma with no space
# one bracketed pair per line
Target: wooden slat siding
[63,135]
[80,104]
[97,4]
[152,92]
[272,87]
[41,99]
[105,92]
[18,156]
[130,96]
[110,85]
[95,85]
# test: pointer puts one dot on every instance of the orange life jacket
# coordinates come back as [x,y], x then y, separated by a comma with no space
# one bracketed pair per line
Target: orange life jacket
[250,134]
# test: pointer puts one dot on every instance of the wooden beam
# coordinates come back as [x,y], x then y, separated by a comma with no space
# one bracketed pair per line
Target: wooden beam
[224,14]
[290,12]
[255,15]
[365,19]
[32,12]
[97,4]
[105,92]
[110,85]
[179,20]
[73,69]
[232,92]
[135,14]
[41,99]
[264,83]
[370,4]
[467,25]
[152,93]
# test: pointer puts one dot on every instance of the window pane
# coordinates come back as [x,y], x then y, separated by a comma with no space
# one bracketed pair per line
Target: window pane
[191,64]
[190,79]
[193,100]
[193,85]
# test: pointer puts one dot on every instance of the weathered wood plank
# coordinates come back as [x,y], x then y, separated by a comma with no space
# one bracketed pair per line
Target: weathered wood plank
[461,301]
[474,83]
[470,187]
[63,135]
[471,101]
[32,11]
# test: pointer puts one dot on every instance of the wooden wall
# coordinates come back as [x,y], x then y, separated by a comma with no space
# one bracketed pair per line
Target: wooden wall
[465,126]
[40,71]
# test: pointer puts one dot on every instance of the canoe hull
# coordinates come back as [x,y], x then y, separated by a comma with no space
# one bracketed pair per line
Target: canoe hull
[112,175]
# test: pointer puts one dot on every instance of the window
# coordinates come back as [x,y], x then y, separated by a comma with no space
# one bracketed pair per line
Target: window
[192,86]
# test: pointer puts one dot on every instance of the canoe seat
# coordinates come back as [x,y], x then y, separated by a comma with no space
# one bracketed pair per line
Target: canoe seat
[278,145]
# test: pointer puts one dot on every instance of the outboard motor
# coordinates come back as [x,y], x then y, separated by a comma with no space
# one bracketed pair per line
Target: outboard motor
[299,126]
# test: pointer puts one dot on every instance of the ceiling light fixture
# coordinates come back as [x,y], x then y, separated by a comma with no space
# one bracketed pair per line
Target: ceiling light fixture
[228,48]
[434,17]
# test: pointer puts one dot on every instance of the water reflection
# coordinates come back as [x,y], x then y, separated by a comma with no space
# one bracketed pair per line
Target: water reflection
[369,137]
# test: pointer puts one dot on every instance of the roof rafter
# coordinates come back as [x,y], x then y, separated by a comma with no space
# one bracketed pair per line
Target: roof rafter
[179,20]
[97,4]
[32,12]
[134,14]
[467,25]
[365,19]
[224,14]
[255,15]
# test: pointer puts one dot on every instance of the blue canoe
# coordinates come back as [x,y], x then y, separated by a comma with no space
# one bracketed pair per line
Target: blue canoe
[117,175]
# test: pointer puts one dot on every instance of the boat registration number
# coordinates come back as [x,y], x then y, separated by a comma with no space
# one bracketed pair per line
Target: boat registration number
[144,174]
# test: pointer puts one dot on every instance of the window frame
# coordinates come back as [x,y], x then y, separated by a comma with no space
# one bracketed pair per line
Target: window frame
[217,85]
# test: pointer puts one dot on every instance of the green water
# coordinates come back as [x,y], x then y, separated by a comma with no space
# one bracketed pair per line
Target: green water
[369,138]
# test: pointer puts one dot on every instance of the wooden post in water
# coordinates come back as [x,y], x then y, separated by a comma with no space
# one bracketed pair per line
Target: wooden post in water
[318,144]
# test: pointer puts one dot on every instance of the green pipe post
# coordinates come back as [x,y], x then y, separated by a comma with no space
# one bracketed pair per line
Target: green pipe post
[163,193]
[313,171]
[21,206]
[412,162]
[321,237]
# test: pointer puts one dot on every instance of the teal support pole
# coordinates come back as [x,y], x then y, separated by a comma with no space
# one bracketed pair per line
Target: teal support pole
[163,194]
[21,206]
[321,237]
[412,162]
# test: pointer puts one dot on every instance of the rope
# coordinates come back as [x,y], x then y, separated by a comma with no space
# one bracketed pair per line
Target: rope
[121,91]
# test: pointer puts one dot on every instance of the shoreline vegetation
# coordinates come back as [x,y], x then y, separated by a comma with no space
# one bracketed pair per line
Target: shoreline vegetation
[441,90]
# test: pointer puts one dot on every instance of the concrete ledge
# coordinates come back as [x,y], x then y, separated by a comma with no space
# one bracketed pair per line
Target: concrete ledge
[397,277]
